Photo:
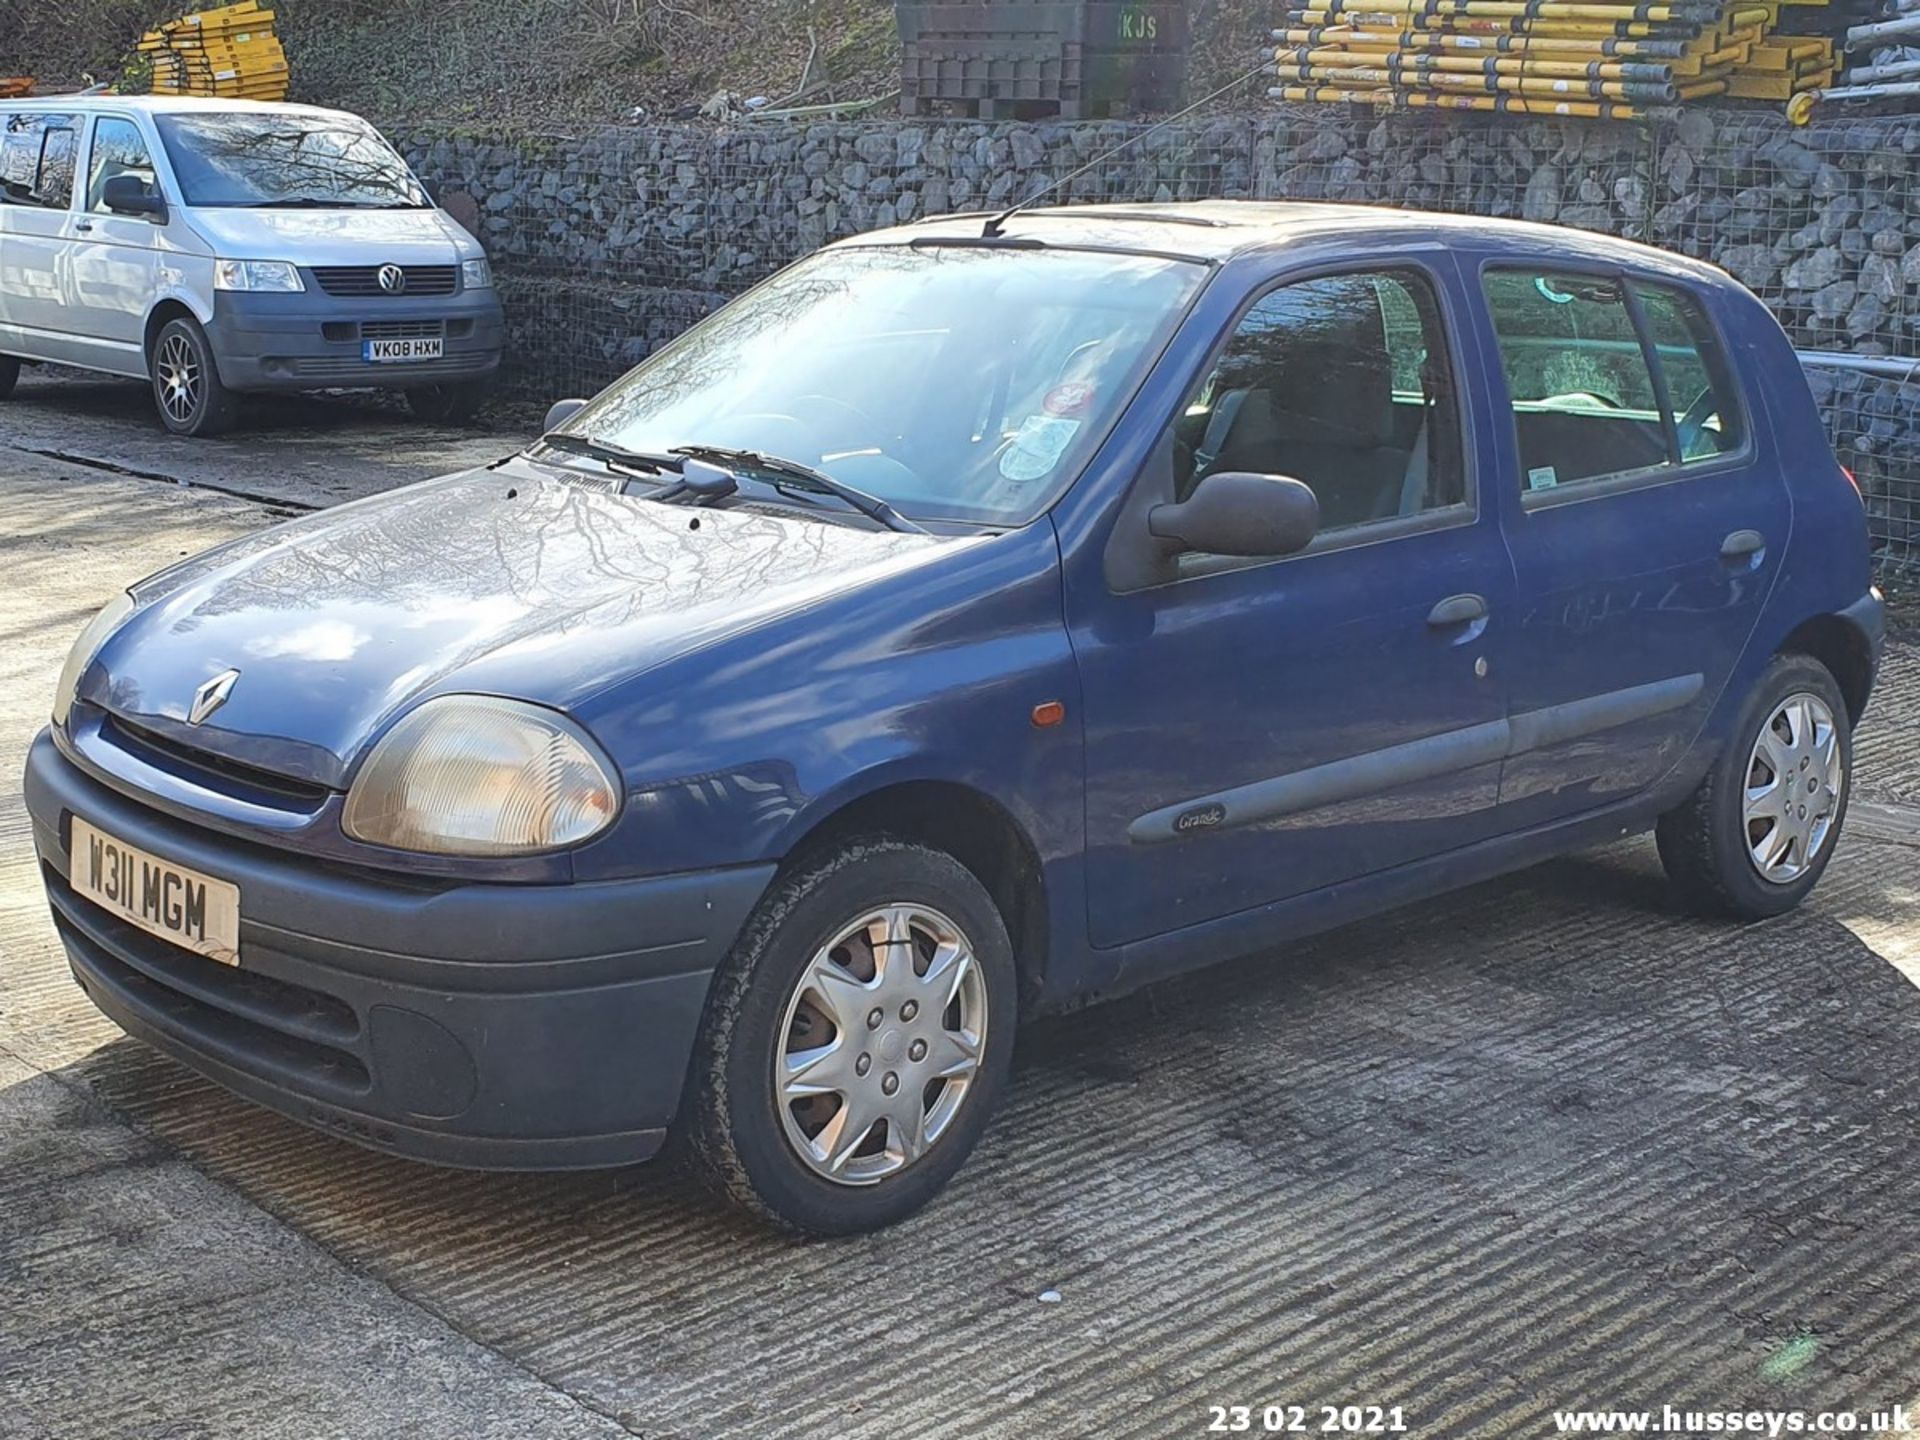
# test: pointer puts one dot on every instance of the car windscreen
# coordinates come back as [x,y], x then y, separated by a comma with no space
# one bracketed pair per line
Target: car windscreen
[274,159]
[965,383]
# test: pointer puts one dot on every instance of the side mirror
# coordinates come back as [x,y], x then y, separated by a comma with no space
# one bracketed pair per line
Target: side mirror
[130,195]
[560,412]
[1234,512]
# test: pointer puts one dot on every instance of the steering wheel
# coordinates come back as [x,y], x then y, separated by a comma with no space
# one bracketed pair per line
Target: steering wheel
[1703,409]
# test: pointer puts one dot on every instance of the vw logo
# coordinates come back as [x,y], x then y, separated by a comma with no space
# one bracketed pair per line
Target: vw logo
[392,279]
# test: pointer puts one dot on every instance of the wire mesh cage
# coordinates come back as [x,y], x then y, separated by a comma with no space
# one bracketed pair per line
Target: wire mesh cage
[608,243]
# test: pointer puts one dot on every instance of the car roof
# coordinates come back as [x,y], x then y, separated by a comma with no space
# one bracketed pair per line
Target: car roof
[1217,230]
[161,105]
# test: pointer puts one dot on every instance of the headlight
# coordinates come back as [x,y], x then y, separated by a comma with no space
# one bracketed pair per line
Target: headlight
[474,775]
[476,275]
[255,275]
[85,646]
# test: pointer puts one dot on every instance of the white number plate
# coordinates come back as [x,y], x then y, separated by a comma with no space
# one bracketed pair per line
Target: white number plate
[194,911]
[402,349]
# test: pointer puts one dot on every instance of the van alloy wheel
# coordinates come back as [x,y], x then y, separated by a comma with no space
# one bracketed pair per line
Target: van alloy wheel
[1794,778]
[880,1045]
[180,381]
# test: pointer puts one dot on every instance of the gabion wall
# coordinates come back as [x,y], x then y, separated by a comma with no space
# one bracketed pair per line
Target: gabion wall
[610,242]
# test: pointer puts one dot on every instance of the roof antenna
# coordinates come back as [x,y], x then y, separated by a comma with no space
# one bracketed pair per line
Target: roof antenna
[992,229]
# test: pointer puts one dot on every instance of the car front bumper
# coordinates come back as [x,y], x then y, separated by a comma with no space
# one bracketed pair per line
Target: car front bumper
[482,1025]
[311,340]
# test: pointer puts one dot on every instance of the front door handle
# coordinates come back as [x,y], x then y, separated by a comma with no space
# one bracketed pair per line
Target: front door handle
[1457,610]
[1742,543]
[85,227]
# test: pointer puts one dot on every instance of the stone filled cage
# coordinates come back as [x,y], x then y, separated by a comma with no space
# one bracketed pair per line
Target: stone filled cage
[609,242]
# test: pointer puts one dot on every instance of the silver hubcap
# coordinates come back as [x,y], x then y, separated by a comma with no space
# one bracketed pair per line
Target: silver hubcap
[1794,778]
[881,1044]
[178,374]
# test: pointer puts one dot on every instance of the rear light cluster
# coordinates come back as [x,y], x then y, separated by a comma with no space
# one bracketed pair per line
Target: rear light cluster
[1854,481]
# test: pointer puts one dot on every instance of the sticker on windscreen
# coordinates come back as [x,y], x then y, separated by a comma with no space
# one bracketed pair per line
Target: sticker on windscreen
[1037,448]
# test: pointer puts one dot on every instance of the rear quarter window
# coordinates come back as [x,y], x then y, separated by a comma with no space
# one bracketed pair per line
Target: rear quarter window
[1700,382]
[37,156]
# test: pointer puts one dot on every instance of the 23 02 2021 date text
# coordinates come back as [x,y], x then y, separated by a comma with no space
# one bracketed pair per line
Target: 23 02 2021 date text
[1305,1419]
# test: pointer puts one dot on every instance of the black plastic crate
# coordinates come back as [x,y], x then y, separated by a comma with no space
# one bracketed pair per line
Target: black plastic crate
[1026,61]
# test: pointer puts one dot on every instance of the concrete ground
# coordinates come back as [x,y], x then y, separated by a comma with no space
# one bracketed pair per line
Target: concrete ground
[1540,1144]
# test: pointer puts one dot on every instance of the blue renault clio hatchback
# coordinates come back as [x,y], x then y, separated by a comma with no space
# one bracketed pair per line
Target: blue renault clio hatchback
[977,617]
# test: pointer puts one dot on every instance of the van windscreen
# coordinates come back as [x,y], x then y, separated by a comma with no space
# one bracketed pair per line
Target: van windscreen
[293,160]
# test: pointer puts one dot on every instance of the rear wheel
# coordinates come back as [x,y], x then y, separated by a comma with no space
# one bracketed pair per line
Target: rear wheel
[856,1041]
[451,404]
[1756,835]
[9,375]
[187,389]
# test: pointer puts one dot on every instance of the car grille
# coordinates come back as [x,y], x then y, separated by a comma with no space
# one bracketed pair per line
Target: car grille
[401,329]
[364,280]
[238,1015]
[343,331]
[351,369]
[214,772]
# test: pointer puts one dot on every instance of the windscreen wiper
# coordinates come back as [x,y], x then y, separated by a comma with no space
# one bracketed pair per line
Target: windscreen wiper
[791,474]
[614,457]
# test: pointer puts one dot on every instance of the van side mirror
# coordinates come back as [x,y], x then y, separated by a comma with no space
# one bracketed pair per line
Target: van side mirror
[130,195]
[560,412]
[1235,512]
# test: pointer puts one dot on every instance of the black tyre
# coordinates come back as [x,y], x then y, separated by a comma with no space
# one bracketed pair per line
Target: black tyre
[856,1042]
[453,404]
[1756,835]
[187,390]
[9,375]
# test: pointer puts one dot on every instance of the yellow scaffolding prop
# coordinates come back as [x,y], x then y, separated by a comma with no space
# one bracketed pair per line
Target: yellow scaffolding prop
[231,52]
[1605,58]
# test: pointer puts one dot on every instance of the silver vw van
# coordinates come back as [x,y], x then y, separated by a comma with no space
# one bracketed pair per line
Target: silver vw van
[215,247]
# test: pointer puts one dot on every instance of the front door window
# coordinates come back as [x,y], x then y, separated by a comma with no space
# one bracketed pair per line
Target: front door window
[1340,382]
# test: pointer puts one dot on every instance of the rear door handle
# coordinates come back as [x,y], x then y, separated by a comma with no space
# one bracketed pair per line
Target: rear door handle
[1457,610]
[85,227]
[1741,543]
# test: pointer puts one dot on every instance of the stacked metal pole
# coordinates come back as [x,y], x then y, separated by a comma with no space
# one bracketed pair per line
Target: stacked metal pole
[1601,59]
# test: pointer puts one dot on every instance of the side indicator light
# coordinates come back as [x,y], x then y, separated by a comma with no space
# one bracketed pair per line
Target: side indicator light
[1049,714]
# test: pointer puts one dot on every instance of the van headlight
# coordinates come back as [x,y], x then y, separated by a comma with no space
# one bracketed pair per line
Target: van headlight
[256,275]
[476,275]
[86,645]
[477,775]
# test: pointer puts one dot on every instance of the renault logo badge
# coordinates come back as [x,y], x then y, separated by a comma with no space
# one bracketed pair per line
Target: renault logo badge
[211,696]
[392,279]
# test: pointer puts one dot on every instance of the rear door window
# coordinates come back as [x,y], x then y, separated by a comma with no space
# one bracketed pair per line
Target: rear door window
[1584,402]
[1610,377]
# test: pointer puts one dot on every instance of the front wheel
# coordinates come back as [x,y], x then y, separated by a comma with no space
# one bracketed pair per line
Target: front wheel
[452,404]
[9,375]
[856,1041]
[1756,835]
[187,390]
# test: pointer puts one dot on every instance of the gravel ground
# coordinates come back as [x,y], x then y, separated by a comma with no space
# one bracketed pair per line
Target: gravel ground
[1543,1143]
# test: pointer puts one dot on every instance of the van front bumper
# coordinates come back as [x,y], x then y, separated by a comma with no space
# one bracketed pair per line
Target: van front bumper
[311,340]
[485,1025]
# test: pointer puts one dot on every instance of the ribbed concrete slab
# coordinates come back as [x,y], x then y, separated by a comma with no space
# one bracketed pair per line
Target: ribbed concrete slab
[1887,752]
[1537,1145]
[304,450]
[144,1298]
